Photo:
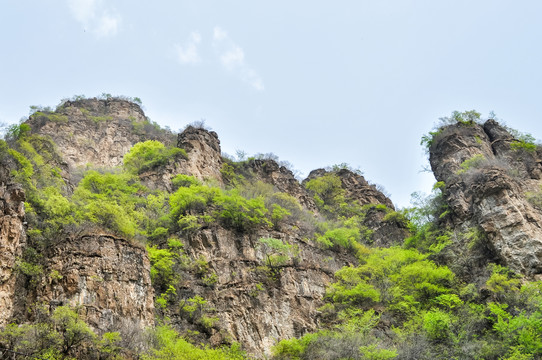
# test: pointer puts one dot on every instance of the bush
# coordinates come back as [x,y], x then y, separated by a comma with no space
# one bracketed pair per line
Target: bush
[147,155]
[239,213]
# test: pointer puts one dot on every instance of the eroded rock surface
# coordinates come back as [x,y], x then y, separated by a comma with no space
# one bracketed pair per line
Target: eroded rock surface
[490,192]
[106,277]
[255,308]
[269,171]
[204,160]
[12,241]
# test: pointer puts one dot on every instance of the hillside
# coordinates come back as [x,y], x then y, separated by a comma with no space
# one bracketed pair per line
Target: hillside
[122,239]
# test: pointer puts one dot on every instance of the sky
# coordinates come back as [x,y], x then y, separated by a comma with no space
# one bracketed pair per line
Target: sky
[315,82]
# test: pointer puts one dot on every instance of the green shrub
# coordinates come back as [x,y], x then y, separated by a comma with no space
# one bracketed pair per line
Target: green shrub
[437,324]
[474,162]
[240,213]
[170,345]
[327,192]
[149,154]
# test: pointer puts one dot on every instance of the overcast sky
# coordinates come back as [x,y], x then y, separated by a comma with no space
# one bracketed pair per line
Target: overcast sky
[315,82]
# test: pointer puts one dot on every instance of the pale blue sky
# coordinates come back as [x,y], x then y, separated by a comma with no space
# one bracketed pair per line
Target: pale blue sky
[315,82]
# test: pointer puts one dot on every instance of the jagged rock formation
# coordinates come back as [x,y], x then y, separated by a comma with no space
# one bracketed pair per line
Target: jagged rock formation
[204,160]
[358,190]
[12,242]
[491,192]
[110,277]
[205,157]
[356,187]
[269,171]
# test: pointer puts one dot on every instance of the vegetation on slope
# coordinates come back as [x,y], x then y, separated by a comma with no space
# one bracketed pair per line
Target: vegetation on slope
[412,301]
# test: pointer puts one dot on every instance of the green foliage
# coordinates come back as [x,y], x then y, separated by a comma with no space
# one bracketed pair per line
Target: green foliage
[162,261]
[17,131]
[276,252]
[523,142]
[437,324]
[182,180]
[147,155]
[474,162]
[170,345]
[192,199]
[465,118]
[427,139]
[51,116]
[62,335]
[343,237]
[110,200]
[403,280]
[240,213]
[327,192]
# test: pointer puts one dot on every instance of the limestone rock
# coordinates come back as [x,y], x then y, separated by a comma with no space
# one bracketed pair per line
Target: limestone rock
[204,160]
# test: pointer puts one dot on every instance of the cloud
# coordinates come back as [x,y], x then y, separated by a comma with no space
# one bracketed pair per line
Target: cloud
[232,58]
[96,17]
[188,54]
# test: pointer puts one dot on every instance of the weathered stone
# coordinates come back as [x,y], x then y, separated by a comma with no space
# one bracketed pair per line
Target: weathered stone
[12,242]
[97,132]
[106,277]
[269,171]
[491,195]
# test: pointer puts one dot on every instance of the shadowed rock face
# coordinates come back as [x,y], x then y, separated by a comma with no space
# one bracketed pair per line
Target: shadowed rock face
[107,277]
[12,242]
[491,195]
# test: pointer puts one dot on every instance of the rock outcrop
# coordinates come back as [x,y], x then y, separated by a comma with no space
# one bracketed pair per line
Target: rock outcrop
[107,278]
[204,160]
[254,307]
[270,172]
[358,190]
[205,157]
[486,181]
[12,242]
[97,132]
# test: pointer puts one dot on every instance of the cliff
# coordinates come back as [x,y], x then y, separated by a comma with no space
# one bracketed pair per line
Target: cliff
[248,298]
[12,243]
[488,175]
[105,213]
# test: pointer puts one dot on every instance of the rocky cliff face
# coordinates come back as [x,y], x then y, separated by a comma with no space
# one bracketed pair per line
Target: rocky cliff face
[97,132]
[204,160]
[358,190]
[106,277]
[487,181]
[109,278]
[12,242]
[269,171]
[254,307]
